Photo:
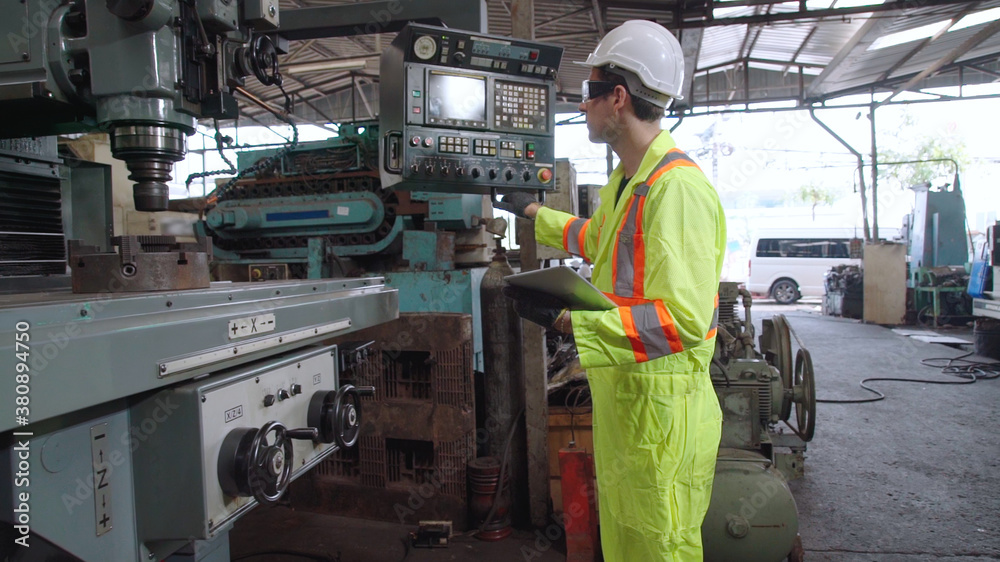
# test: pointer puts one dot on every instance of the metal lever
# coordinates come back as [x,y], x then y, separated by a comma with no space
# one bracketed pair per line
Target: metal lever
[365,390]
[304,433]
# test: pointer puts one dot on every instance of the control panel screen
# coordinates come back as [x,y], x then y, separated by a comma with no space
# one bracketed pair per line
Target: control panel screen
[456,100]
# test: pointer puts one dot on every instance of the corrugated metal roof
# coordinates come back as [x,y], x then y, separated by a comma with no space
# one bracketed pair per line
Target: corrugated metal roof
[836,48]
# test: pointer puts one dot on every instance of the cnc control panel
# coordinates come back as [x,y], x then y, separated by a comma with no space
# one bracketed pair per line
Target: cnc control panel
[467,113]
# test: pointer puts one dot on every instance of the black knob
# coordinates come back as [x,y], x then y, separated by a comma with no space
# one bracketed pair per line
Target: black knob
[429,169]
[414,168]
[476,172]
[493,173]
[283,394]
[269,400]
[459,172]
[526,175]
[296,389]
[508,174]
[459,57]
[444,170]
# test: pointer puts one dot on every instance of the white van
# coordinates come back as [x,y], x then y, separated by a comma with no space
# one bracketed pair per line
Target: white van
[786,264]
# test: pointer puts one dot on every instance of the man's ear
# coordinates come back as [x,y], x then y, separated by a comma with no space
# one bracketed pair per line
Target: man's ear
[621,97]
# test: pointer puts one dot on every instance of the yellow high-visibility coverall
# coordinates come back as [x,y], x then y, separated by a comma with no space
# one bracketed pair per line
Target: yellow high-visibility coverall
[658,254]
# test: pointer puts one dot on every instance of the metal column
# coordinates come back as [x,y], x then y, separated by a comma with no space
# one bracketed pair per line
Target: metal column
[536,414]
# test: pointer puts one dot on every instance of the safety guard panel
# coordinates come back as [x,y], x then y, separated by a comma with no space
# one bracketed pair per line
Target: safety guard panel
[228,442]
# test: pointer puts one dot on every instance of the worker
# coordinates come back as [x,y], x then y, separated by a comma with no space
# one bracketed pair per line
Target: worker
[656,243]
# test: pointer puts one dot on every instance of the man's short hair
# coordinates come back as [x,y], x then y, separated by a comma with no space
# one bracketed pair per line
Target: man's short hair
[644,110]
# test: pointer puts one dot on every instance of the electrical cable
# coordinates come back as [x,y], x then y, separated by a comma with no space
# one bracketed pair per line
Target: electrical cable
[969,371]
[573,410]
[220,140]
[266,162]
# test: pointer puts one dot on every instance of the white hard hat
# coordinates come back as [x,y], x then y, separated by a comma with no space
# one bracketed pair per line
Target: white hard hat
[648,51]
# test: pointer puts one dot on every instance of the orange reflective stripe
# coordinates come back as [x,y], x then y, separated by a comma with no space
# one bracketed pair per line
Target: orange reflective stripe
[638,348]
[711,333]
[675,157]
[582,239]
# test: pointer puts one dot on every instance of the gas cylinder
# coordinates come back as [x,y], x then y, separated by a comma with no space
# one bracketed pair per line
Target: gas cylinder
[503,390]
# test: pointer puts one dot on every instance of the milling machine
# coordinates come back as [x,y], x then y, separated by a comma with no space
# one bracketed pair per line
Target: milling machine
[148,408]
[152,408]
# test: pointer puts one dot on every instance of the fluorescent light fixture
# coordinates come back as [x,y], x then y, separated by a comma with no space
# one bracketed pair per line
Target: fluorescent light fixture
[975,19]
[356,64]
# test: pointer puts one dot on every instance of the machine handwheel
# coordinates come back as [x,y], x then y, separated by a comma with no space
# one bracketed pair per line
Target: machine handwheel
[347,416]
[337,415]
[256,462]
[805,395]
[776,343]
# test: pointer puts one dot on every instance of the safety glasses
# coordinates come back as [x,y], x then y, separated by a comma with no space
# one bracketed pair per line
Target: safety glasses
[593,89]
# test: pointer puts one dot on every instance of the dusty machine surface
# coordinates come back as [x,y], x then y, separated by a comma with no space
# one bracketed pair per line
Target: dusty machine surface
[753,515]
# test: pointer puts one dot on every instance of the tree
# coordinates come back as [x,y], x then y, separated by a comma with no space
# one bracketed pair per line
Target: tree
[928,157]
[815,195]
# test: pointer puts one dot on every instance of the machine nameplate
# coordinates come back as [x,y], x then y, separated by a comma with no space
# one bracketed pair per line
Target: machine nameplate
[243,327]
[175,366]
[102,477]
[234,413]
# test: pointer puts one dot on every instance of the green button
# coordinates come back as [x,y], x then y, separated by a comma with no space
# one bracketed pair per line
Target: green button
[416,93]
[529,146]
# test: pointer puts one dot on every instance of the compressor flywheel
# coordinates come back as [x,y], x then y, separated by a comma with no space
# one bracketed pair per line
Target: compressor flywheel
[805,395]
[776,345]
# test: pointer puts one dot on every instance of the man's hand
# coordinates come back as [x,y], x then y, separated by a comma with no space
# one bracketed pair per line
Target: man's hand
[535,306]
[520,203]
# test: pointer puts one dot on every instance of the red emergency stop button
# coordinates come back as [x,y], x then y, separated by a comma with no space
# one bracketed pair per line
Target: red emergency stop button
[545,175]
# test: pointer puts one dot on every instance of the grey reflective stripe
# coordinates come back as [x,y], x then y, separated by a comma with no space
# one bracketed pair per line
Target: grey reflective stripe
[625,273]
[573,236]
[715,320]
[647,324]
[642,190]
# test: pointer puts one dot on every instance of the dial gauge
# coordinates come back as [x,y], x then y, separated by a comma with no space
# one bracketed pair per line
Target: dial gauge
[425,47]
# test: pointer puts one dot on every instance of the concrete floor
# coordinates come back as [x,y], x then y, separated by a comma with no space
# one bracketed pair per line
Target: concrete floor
[912,478]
